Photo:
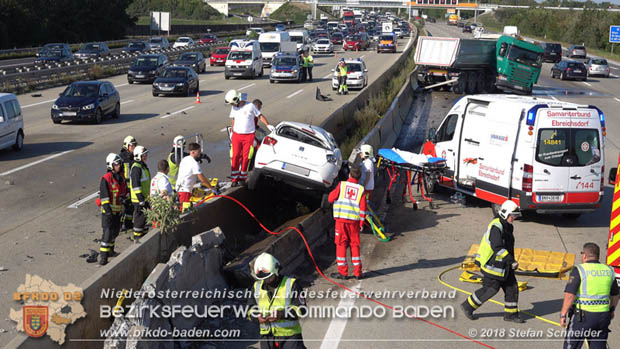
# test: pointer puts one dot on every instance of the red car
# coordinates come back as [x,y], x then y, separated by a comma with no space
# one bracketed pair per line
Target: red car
[356,42]
[218,57]
[208,39]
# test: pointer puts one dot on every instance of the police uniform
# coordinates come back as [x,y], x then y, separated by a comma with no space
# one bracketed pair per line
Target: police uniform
[284,333]
[139,186]
[593,284]
[495,257]
[342,79]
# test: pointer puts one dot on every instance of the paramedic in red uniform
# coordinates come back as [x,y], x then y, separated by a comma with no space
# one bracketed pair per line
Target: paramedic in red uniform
[349,202]
[429,149]
[244,119]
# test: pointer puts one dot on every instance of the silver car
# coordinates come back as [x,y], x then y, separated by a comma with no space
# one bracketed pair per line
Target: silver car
[577,51]
[323,46]
[597,66]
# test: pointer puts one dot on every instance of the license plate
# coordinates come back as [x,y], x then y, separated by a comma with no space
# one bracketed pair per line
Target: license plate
[553,53]
[295,169]
[139,76]
[237,74]
[577,71]
[167,88]
[68,113]
[549,198]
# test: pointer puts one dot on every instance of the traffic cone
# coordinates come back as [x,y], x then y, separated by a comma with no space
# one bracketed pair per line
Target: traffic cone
[197,97]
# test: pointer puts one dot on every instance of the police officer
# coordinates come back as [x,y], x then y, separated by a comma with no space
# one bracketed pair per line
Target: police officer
[139,186]
[126,154]
[112,192]
[342,77]
[590,299]
[308,63]
[495,258]
[279,299]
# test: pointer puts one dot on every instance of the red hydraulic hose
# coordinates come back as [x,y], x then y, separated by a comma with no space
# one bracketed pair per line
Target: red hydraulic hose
[332,281]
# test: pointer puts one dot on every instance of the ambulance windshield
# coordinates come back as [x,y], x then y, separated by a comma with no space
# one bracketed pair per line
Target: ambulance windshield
[568,147]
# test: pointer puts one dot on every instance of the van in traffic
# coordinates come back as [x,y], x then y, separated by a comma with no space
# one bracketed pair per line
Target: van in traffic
[270,43]
[301,38]
[244,60]
[11,122]
[545,155]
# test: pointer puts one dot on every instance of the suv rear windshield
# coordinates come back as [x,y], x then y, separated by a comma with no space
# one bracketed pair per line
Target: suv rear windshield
[599,61]
[300,136]
[575,65]
[553,48]
[568,147]
[579,48]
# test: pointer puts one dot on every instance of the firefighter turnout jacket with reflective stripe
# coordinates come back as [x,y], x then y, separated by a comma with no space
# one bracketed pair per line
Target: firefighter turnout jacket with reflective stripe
[281,301]
[140,182]
[495,254]
[112,189]
[351,201]
[127,162]
[595,287]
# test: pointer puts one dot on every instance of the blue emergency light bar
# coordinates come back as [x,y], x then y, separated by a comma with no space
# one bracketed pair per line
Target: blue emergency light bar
[531,114]
[601,115]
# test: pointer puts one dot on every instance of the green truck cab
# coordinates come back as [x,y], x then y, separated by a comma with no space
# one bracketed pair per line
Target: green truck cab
[518,64]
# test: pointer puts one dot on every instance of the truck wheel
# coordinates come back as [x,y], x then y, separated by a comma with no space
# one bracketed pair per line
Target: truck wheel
[459,87]
[471,84]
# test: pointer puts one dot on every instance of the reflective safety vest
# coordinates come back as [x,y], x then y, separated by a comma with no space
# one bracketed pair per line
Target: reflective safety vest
[281,301]
[173,170]
[116,191]
[144,185]
[596,279]
[484,257]
[343,70]
[308,61]
[347,206]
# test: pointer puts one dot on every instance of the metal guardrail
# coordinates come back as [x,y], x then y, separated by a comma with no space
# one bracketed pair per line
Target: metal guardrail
[34,50]
[33,75]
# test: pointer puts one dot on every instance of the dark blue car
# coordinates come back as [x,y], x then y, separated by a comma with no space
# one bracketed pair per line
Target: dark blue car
[176,81]
[87,101]
[285,67]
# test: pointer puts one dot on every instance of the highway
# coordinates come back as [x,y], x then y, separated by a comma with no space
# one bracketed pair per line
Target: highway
[428,242]
[47,191]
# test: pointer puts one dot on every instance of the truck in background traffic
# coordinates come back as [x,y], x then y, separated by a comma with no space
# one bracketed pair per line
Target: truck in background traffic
[270,44]
[479,66]
[453,19]
[348,17]
[545,155]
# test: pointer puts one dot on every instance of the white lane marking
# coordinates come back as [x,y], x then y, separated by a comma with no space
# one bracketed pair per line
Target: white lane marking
[617,100]
[35,163]
[362,56]
[615,68]
[79,202]
[328,75]
[177,112]
[613,76]
[409,42]
[121,85]
[337,325]
[586,83]
[125,102]
[33,104]
[294,94]
[555,99]
[224,129]
[244,87]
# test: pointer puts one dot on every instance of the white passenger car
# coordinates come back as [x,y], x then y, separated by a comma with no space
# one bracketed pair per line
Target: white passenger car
[302,155]
[357,74]
[323,46]
[183,41]
[11,122]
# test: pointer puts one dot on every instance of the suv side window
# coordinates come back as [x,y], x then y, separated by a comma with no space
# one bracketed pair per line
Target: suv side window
[18,110]
[2,119]
[447,129]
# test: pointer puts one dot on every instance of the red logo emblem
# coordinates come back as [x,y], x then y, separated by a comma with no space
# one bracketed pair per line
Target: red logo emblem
[35,320]
[351,193]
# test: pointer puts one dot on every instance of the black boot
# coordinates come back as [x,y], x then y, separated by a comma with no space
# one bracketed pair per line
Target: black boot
[513,317]
[103,258]
[468,311]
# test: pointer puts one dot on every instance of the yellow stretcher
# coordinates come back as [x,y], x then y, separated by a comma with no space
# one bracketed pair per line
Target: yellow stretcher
[200,195]
[547,264]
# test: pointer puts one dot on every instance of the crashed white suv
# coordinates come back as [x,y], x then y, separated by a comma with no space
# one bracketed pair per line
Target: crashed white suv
[301,155]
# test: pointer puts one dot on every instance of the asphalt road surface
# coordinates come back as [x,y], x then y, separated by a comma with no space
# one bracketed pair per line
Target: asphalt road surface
[429,241]
[47,191]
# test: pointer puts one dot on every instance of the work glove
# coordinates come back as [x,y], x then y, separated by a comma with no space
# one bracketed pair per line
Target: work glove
[106,209]
[142,203]
[271,128]
[515,265]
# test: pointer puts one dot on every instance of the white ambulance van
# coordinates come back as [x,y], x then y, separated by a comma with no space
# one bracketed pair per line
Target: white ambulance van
[244,60]
[545,155]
